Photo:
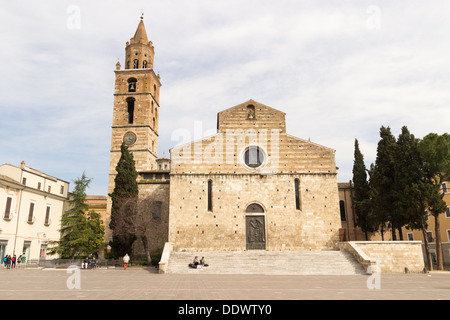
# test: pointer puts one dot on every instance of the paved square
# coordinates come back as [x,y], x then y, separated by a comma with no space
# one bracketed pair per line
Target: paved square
[146,284]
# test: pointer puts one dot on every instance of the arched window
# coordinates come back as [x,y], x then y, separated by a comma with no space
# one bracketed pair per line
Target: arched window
[144,64]
[130,109]
[251,112]
[210,195]
[254,208]
[154,123]
[297,194]
[136,64]
[132,85]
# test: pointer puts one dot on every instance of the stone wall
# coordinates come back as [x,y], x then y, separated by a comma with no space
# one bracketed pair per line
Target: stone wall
[192,227]
[388,256]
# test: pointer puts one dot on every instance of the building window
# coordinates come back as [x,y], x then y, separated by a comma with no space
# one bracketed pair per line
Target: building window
[342,209]
[49,189]
[31,213]
[448,235]
[297,194]
[254,208]
[130,109]
[61,191]
[47,216]
[144,64]
[210,208]
[132,85]
[251,115]
[24,181]
[447,212]
[7,215]
[410,236]
[430,236]
[136,64]
[39,186]
[254,157]
[156,210]
[444,187]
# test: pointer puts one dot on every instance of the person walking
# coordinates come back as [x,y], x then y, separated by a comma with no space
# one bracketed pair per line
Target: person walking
[126,259]
[19,261]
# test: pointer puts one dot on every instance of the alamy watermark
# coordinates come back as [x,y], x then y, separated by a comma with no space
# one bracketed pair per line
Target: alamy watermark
[74,281]
[73,21]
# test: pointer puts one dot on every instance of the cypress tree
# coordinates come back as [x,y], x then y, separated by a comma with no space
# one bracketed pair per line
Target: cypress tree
[382,181]
[364,218]
[125,190]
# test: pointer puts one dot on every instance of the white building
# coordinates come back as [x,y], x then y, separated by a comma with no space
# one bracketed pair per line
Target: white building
[31,205]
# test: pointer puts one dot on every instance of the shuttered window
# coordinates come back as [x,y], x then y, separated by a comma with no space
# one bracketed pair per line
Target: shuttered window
[8,208]
[31,212]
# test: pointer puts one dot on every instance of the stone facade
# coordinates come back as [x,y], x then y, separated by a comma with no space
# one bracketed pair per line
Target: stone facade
[212,188]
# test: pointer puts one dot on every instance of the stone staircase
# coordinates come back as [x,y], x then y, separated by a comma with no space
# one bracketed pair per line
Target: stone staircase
[332,262]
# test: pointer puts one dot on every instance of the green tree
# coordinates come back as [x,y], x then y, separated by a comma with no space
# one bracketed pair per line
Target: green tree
[435,150]
[382,181]
[408,173]
[124,204]
[82,231]
[364,217]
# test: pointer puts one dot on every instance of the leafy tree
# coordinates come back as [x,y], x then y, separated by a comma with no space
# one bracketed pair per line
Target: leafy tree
[82,231]
[364,217]
[435,150]
[124,203]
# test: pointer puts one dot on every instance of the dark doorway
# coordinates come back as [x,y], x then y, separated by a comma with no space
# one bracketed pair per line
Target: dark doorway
[256,233]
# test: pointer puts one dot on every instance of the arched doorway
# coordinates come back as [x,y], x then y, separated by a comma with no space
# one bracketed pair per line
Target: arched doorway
[255,227]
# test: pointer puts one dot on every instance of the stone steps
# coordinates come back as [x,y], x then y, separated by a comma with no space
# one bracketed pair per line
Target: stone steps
[330,262]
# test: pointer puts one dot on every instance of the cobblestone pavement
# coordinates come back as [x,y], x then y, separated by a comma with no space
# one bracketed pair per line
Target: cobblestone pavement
[143,284]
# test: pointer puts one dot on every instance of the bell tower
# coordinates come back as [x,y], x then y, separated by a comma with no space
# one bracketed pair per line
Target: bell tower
[136,107]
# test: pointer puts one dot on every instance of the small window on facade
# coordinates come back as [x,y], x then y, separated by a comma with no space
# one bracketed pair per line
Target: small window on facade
[430,236]
[297,194]
[156,210]
[132,85]
[144,64]
[130,109]
[154,123]
[447,212]
[8,208]
[47,216]
[342,209]
[136,64]
[24,181]
[251,112]
[62,190]
[444,187]
[39,186]
[49,189]
[31,212]
[210,196]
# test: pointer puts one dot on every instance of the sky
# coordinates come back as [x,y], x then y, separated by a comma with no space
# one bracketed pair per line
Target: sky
[339,70]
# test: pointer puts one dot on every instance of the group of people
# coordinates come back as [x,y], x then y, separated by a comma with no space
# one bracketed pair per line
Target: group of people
[198,264]
[88,264]
[11,262]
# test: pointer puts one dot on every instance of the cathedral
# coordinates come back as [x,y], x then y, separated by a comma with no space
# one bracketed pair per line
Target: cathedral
[250,186]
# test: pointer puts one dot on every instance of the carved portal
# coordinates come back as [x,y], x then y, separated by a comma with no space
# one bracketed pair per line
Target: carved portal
[256,233]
